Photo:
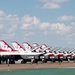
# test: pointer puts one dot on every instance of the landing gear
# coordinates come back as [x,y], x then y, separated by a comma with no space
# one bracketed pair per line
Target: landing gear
[23,61]
[32,61]
[53,60]
[0,59]
[68,60]
[43,60]
[35,61]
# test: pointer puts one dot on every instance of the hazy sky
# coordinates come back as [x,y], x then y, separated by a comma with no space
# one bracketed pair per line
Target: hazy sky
[43,21]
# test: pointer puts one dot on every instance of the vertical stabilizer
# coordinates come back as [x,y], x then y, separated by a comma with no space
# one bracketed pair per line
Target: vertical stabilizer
[4,45]
[27,46]
[17,46]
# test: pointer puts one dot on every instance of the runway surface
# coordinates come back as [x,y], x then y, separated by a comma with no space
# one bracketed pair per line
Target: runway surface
[18,66]
[41,71]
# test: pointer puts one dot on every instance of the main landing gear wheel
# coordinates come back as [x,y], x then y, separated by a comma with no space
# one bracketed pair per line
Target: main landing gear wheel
[23,61]
[43,60]
[32,61]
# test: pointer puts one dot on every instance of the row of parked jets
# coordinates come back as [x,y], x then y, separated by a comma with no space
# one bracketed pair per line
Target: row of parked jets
[36,52]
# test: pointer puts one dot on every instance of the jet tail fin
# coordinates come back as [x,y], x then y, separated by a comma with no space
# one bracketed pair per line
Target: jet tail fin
[4,45]
[17,46]
[27,46]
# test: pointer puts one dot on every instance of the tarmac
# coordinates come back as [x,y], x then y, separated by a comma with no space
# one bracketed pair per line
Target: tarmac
[38,69]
